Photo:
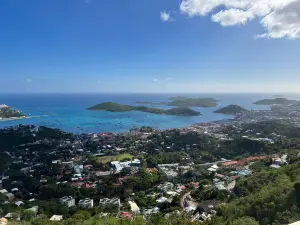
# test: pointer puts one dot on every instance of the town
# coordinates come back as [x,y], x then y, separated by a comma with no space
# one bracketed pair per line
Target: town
[143,173]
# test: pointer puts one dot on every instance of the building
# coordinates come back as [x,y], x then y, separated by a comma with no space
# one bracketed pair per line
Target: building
[14,216]
[120,165]
[10,196]
[86,203]
[110,202]
[134,207]
[3,221]
[19,203]
[56,218]
[3,191]
[68,164]
[67,200]
[167,186]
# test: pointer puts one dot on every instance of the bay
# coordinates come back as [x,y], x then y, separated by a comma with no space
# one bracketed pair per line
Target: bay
[68,111]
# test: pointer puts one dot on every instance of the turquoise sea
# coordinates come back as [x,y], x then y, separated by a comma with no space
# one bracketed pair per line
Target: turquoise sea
[68,111]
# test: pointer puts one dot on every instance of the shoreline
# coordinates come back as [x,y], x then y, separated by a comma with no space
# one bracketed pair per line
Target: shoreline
[20,118]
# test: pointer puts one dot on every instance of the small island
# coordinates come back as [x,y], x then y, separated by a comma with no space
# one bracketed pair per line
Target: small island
[7,113]
[151,103]
[275,101]
[180,101]
[115,107]
[192,102]
[231,110]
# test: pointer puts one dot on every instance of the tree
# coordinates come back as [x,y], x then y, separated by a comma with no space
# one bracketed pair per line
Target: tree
[244,221]
[27,215]
[81,215]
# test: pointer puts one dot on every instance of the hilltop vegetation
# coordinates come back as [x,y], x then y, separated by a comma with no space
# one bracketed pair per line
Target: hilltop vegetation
[275,101]
[115,107]
[269,197]
[231,110]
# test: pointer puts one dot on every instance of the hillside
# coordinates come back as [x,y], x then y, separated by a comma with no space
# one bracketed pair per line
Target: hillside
[115,107]
[231,110]
[269,197]
[275,101]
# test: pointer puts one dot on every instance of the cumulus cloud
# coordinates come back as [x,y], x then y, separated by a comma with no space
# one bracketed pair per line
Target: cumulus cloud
[155,80]
[165,17]
[280,18]
[232,17]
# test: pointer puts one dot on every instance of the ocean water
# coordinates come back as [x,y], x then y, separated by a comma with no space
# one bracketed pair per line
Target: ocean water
[68,111]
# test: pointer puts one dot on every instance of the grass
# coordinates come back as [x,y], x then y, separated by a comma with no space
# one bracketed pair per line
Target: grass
[106,159]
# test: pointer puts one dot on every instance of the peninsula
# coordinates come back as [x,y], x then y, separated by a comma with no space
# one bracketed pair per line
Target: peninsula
[275,101]
[115,107]
[7,113]
[231,110]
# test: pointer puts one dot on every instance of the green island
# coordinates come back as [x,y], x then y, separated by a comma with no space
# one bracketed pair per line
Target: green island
[151,103]
[180,101]
[275,101]
[115,107]
[231,110]
[192,102]
[7,112]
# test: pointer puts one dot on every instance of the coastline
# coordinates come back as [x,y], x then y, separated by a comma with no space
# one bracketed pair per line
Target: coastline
[20,118]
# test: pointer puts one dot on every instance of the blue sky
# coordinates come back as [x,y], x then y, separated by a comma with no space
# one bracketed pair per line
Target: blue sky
[149,46]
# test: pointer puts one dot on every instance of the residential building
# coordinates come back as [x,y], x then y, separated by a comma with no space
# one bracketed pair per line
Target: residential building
[3,191]
[167,186]
[3,221]
[134,207]
[10,196]
[86,203]
[109,202]
[67,200]
[56,218]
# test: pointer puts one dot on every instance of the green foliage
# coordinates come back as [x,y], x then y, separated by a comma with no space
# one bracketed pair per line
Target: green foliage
[115,107]
[244,221]
[270,196]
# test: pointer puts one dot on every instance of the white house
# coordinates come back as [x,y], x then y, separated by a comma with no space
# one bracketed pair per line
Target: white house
[67,200]
[86,203]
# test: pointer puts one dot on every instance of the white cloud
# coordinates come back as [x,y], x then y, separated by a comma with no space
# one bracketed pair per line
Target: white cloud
[283,23]
[168,78]
[232,17]
[280,18]
[99,82]
[155,80]
[165,16]
[29,80]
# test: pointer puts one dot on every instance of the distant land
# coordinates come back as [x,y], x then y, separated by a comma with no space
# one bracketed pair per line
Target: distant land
[275,101]
[115,107]
[193,102]
[231,110]
[151,103]
[7,112]
[180,101]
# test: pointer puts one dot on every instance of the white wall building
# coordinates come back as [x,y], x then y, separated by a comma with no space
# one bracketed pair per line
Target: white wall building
[108,201]
[86,203]
[67,200]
